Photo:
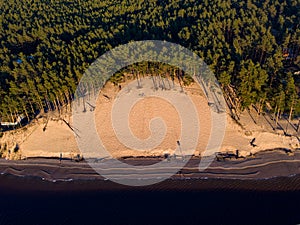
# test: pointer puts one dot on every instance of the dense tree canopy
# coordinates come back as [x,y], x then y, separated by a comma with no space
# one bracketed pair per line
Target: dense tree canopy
[46,45]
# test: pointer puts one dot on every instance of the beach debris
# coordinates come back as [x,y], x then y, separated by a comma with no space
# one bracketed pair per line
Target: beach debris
[92,106]
[45,127]
[16,148]
[78,158]
[222,156]
[72,129]
[167,155]
[179,146]
[252,142]
[106,96]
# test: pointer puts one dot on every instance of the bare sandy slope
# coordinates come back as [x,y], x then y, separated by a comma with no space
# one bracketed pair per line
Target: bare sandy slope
[58,137]
[139,120]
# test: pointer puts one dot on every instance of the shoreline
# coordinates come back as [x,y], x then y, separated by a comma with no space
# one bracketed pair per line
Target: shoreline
[21,185]
[206,201]
[271,170]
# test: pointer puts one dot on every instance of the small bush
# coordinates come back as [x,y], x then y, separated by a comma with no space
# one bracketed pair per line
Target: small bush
[187,80]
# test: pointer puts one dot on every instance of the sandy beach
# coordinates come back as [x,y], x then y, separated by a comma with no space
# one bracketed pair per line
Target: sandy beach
[263,168]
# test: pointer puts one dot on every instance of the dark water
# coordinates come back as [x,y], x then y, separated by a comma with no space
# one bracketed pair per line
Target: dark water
[157,205]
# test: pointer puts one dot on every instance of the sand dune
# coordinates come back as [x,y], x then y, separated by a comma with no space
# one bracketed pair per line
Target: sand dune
[58,138]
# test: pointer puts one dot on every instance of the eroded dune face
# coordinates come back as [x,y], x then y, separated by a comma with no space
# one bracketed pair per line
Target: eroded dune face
[53,141]
[42,137]
[58,138]
[139,120]
[140,117]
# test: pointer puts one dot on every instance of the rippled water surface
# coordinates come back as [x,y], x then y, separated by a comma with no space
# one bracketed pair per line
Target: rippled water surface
[172,202]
